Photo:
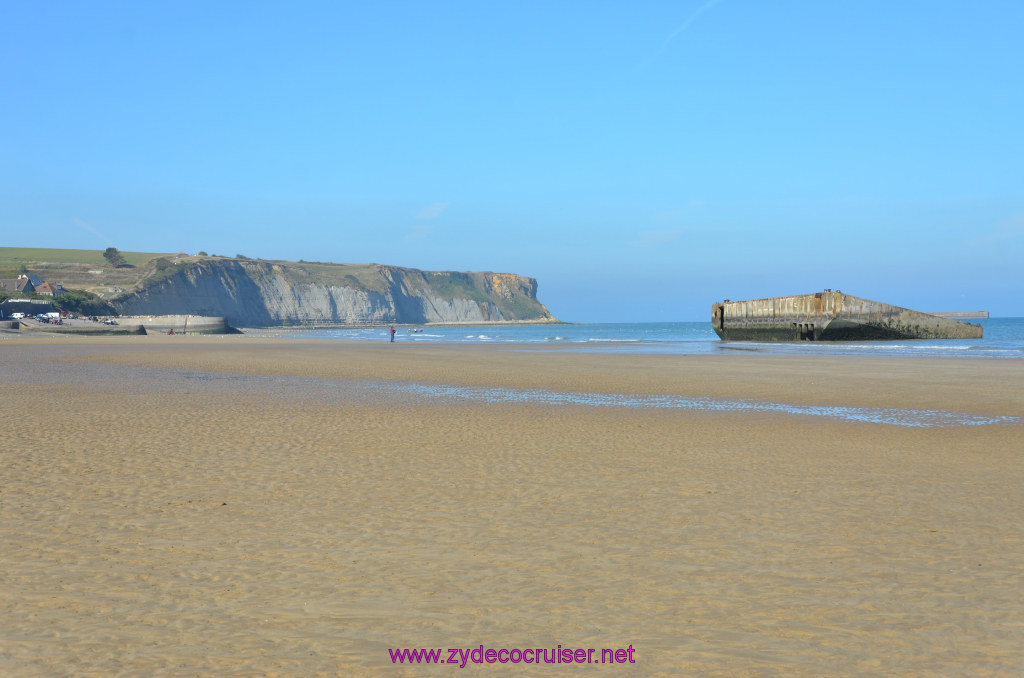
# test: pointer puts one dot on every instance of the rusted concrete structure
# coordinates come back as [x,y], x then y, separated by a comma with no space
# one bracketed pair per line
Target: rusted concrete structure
[830,316]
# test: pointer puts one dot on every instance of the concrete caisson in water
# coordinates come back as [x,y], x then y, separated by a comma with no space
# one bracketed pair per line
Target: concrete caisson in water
[830,316]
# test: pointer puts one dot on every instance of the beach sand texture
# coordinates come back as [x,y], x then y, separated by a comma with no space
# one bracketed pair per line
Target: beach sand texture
[179,506]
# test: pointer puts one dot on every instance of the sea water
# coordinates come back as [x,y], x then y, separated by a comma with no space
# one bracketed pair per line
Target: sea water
[1003,338]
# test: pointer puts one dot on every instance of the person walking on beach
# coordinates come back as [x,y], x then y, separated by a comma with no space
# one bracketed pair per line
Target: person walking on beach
[392,334]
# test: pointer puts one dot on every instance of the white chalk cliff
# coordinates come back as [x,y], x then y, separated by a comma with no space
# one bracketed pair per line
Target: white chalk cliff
[252,293]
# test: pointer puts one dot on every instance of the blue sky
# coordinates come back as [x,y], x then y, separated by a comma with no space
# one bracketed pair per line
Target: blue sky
[640,159]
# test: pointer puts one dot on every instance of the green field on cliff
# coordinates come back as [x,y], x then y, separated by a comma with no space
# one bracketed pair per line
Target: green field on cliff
[88,270]
[43,255]
[79,269]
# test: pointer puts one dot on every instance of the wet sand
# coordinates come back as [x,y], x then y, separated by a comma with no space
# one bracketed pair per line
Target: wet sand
[156,521]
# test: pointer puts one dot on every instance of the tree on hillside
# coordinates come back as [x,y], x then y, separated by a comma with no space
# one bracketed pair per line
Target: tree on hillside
[115,258]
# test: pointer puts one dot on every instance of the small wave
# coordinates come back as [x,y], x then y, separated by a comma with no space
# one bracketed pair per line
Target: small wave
[283,386]
[753,349]
[871,415]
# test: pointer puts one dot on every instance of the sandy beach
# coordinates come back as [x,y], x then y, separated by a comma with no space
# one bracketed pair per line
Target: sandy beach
[246,506]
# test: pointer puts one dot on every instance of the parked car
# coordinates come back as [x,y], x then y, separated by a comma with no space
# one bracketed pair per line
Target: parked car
[110,321]
[17,316]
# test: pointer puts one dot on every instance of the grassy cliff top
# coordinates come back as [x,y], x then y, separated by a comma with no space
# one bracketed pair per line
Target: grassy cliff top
[89,270]
[79,269]
[46,256]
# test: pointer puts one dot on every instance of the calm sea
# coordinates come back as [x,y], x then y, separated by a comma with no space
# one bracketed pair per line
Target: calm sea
[1003,338]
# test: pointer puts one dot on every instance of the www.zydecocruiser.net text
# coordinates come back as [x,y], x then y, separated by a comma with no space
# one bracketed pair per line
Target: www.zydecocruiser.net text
[480,655]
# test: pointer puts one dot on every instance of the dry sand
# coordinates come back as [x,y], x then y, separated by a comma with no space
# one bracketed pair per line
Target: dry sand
[167,523]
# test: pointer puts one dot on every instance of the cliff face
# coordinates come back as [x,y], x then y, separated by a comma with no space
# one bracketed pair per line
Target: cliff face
[259,293]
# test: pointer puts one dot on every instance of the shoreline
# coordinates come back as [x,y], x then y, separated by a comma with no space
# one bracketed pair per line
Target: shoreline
[383,326]
[130,324]
[988,387]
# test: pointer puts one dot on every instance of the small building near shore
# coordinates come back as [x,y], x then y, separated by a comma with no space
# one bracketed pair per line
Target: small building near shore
[19,285]
[31,284]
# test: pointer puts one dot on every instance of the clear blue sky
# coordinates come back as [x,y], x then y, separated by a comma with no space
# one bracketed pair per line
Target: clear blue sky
[640,159]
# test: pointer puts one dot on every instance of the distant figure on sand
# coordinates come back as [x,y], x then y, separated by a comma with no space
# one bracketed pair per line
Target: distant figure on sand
[392,334]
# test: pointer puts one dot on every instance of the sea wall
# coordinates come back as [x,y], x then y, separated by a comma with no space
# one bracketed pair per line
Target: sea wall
[182,324]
